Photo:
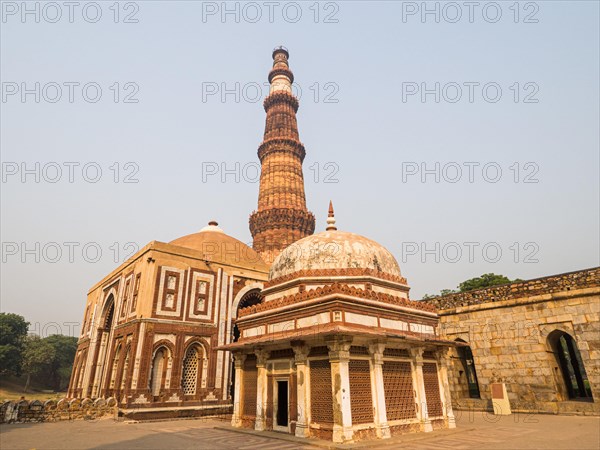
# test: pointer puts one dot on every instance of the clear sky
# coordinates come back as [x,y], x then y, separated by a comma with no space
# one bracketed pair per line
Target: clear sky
[500,174]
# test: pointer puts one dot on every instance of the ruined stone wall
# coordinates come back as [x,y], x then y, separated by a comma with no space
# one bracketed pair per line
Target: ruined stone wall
[507,328]
[54,411]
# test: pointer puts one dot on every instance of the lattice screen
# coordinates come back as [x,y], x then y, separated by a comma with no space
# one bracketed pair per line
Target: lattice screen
[432,389]
[249,388]
[399,392]
[189,377]
[355,350]
[321,397]
[361,401]
[399,352]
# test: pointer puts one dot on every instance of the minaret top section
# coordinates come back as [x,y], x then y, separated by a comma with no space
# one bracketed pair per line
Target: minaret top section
[281,77]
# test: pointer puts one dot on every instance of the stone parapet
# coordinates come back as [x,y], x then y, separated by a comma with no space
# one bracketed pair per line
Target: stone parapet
[540,286]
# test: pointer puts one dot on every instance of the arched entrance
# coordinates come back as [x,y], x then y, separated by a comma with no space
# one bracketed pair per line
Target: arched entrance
[571,365]
[250,298]
[466,358]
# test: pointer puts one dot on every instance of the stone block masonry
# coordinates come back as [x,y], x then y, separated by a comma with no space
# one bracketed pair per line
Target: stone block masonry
[514,334]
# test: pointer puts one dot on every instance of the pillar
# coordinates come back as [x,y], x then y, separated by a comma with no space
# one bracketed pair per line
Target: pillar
[100,364]
[339,356]
[261,389]
[443,357]
[419,383]
[236,419]
[377,390]
[302,393]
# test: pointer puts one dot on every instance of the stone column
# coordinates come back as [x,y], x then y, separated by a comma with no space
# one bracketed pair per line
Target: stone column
[236,419]
[442,359]
[419,383]
[339,356]
[377,391]
[302,394]
[261,389]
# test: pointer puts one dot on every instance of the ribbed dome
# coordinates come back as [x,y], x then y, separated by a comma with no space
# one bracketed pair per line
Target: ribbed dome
[334,250]
[218,247]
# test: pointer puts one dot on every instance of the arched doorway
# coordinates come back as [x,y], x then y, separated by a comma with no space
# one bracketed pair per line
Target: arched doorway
[251,298]
[571,366]
[468,363]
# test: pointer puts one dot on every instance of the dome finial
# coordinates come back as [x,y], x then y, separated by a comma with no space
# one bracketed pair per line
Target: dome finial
[331,218]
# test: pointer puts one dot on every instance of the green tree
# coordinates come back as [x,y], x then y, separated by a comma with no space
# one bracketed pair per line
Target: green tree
[13,332]
[59,370]
[484,281]
[38,355]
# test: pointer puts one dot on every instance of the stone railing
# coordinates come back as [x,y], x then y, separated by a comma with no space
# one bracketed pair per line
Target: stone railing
[547,285]
[54,411]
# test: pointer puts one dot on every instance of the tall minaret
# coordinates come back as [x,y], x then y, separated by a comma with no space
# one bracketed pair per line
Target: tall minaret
[281,218]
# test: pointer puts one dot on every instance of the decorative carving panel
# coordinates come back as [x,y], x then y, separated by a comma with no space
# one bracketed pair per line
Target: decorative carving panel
[249,383]
[432,389]
[361,400]
[321,397]
[399,392]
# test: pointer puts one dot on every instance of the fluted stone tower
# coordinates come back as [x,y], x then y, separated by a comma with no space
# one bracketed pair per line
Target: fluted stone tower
[281,218]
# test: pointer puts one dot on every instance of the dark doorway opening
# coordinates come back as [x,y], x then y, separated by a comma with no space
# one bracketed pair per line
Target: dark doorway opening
[466,357]
[574,374]
[282,403]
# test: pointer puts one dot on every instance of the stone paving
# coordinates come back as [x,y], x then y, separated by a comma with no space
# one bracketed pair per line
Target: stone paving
[474,431]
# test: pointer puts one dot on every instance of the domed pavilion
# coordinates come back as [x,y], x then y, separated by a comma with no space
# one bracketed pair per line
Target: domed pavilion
[336,350]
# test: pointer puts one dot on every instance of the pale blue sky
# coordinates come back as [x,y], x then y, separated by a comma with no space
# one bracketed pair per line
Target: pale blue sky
[370,134]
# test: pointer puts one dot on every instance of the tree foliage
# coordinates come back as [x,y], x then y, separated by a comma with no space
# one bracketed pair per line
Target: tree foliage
[481,282]
[13,331]
[38,355]
[484,281]
[48,360]
[59,370]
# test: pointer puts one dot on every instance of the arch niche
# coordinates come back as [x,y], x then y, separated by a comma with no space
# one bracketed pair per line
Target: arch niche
[571,366]
[468,363]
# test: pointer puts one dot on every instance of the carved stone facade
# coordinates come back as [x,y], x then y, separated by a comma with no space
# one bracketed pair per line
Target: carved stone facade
[540,337]
[152,326]
[281,218]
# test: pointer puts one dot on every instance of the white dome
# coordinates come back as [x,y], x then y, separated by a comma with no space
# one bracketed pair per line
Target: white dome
[334,250]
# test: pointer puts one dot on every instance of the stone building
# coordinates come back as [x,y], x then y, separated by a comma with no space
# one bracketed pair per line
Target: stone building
[336,349]
[540,337]
[151,326]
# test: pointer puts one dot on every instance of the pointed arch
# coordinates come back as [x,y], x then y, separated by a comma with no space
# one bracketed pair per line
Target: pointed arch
[572,370]
[465,354]
[243,295]
[158,369]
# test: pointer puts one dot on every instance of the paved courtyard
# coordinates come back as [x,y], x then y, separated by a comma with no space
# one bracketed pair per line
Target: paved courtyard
[474,431]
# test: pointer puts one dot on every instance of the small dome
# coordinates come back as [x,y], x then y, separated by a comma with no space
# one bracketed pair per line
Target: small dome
[334,249]
[218,247]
